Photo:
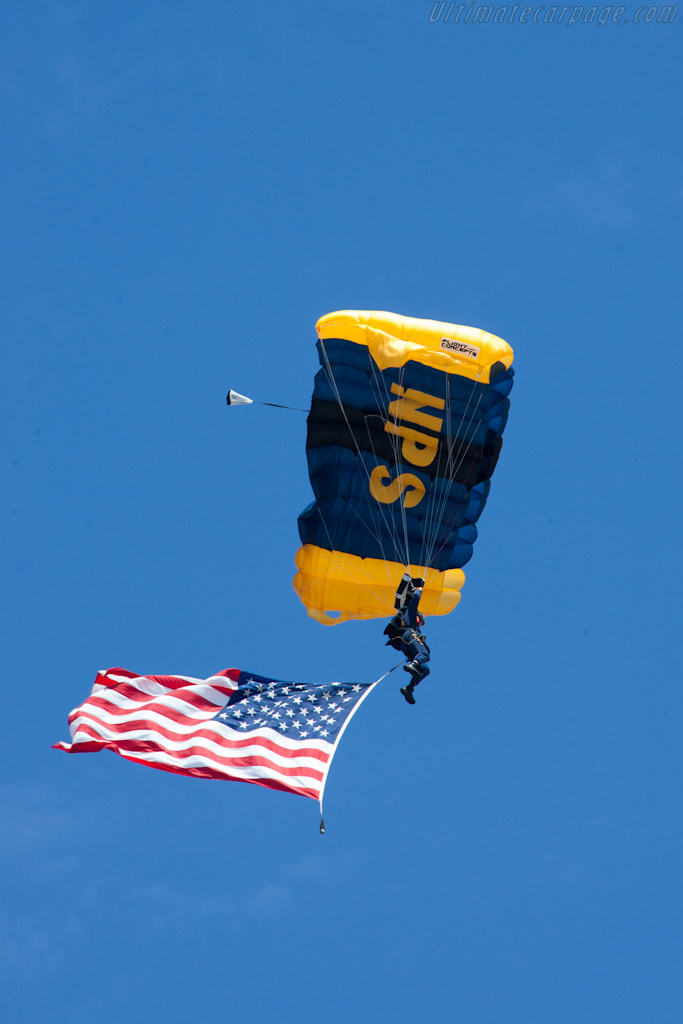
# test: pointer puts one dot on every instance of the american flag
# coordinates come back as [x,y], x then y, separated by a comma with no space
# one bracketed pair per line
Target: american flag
[234,725]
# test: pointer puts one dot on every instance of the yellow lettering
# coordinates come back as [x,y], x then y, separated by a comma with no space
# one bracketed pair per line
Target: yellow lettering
[419,456]
[418,448]
[409,402]
[389,492]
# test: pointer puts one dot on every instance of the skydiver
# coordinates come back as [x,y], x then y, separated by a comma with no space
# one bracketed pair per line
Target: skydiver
[404,632]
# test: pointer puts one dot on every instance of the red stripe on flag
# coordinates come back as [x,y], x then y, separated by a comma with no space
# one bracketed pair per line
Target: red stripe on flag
[208,773]
[100,700]
[220,737]
[195,751]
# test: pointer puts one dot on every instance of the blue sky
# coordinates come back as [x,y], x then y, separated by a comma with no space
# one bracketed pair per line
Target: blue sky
[185,191]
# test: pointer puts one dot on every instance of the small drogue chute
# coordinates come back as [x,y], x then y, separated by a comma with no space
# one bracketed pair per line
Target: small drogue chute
[235,398]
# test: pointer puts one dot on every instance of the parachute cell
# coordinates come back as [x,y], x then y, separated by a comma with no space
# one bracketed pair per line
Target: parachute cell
[404,432]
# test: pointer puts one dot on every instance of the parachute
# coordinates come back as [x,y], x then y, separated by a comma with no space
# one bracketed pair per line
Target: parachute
[404,433]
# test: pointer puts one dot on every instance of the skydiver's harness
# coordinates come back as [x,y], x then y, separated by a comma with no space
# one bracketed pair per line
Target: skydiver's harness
[397,629]
[417,638]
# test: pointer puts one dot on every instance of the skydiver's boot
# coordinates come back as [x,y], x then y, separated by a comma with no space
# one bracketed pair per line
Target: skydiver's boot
[407,692]
[414,671]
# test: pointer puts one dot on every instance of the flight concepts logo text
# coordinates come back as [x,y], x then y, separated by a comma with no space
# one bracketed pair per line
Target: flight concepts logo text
[461,347]
[475,13]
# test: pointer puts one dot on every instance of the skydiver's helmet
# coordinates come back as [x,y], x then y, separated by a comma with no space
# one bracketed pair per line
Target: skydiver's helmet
[417,583]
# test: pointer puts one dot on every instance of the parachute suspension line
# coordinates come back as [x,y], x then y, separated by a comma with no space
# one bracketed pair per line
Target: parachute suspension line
[432,512]
[442,532]
[434,531]
[397,446]
[465,443]
[333,551]
[391,526]
[333,383]
[330,374]
[433,503]
[383,396]
[399,451]
[375,593]
[433,507]
[388,521]
[439,530]
[374,531]
[361,583]
[274,405]
[453,466]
